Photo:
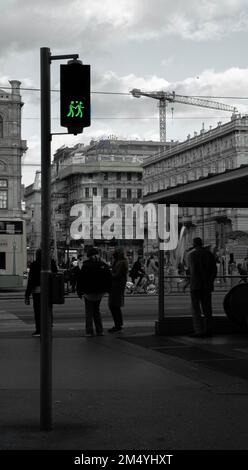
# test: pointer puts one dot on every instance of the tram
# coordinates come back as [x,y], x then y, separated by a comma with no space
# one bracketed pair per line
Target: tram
[13,252]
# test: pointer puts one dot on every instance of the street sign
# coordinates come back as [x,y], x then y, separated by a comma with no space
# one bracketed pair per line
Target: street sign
[75,96]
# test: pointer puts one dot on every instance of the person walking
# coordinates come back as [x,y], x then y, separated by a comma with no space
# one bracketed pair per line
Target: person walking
[203,270]
[33,287]
[93,281]
[116,295]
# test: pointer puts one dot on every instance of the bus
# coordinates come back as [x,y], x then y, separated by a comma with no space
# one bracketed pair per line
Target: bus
[13,252]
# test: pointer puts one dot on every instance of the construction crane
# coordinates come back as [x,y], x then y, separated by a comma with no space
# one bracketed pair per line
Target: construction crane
[164,96]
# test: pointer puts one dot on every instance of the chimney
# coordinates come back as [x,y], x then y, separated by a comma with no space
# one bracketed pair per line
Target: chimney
[15,87]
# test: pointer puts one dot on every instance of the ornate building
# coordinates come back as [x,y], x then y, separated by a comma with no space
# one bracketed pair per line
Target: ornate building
[32,197]
[214,151]
[12,147]
[108,168]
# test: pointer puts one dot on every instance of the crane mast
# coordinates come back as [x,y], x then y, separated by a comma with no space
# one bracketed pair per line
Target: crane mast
[164,97]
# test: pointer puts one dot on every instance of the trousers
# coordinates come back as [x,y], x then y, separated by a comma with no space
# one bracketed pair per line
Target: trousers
[201,304]
[117,315]
[93,316]
[36,307]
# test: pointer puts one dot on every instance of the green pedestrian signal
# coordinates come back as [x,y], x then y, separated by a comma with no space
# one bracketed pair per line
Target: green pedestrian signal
[73,107]
[75,96]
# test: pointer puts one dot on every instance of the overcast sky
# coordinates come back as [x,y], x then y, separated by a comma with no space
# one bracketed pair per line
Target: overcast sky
[193,47]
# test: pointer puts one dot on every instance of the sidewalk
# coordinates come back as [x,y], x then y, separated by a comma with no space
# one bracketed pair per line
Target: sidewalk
[133,391]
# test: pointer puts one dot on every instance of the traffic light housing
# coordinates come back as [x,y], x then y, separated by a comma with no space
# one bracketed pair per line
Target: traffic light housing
[75,96]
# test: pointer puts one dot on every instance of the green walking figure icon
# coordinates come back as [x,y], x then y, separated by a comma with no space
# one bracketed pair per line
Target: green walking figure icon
[77,107]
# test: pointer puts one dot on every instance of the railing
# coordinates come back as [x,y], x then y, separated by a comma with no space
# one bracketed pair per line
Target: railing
[179,285]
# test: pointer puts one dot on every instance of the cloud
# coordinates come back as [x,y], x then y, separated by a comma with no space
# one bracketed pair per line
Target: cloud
[93,26]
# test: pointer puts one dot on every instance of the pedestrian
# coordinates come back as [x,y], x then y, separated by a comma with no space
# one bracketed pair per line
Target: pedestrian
[33,287]
[203,270]
[136,270]
[152,266]
[94,280]
[185,263]
[116,295]
[80,261]
[73,274]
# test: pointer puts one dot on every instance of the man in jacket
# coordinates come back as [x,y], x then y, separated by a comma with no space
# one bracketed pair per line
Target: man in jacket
[116,294]
[33,287]
[94,279]
[202,269]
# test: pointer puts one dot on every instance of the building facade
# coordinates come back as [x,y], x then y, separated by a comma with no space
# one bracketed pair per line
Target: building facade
[111,169]
[12,224]
[32,197]
[215,151]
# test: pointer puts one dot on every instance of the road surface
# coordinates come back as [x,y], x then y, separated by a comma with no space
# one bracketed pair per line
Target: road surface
[139,312]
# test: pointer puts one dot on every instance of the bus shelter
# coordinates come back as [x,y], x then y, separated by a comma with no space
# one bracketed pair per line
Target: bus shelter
[228,190]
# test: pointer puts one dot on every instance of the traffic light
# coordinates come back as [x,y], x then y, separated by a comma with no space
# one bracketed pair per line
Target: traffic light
[75,96]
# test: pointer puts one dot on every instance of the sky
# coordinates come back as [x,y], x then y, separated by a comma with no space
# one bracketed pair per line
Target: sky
[193,47]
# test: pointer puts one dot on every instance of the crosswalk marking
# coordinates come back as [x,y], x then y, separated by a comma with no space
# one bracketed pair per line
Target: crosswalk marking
[10,322]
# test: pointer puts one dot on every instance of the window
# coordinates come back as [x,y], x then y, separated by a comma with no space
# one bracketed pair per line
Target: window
[94,191]
[129,176]
[2,260]
[105,193]
[11,227]
[129,194]
[139,176]
[3,199]
[118,176]
[106,176]
[87,192]
[139,193]
[118,193]
[1,127]
[3,183]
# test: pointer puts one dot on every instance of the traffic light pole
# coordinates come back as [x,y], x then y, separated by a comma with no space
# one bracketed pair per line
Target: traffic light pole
[46,306]
[46,302]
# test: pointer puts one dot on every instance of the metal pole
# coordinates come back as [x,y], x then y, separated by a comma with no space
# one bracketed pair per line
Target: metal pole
[46,307]
[161,265]
[161,287]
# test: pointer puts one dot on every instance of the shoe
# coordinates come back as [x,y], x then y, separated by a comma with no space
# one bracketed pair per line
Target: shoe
[89,335]
[114,329]
[36,334]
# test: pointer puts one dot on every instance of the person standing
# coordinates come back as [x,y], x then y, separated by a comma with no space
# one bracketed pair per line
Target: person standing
[136,270]
[73,274]
[93,281]
[33,287]
[152,268]
[203,270]
[116,295]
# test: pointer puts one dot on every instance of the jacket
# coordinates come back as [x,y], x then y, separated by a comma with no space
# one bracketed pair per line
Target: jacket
[94,277]
[119,279]
[202,269]
[33,284]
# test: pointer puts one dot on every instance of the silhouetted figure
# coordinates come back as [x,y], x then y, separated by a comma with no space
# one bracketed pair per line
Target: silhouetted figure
[94,279]
[116,296]
[136,270]
[33,287]
[73,274]
[202,268]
